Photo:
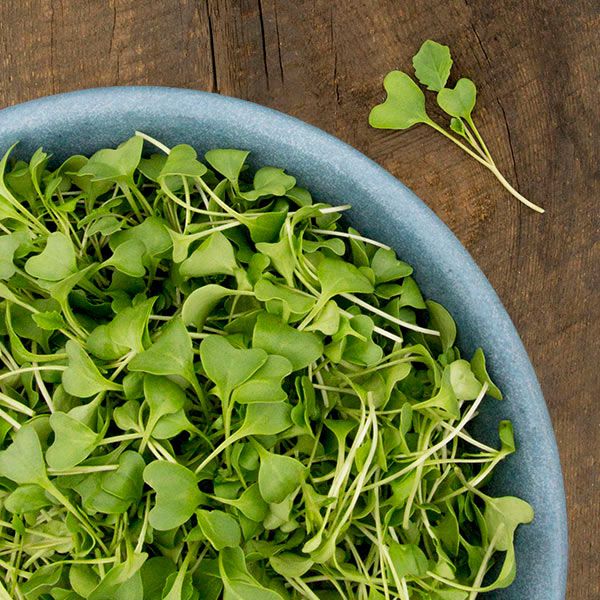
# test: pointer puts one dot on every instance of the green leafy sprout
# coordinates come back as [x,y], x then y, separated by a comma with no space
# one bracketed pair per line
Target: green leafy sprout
[405,107]
[210,387]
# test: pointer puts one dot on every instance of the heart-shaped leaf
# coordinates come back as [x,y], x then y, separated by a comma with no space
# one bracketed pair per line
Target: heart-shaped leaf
[182,160]
[177,494]
[170,354]
[341,277]
[118,490]
[163,397]
[81,377]
[503,516]
[152,233]
[116,165]
[214,256]
[276,337]
[264,385]
[265,227]
[295,301]
[128,331]
[364,352]
[278,476]
[228,367]
[23,461]
[265,418]
[460,101]
[9,244]
[463,381]
[250,504]
[270,181]
[128,258]
[404,105]
[73,442]
[219,528]
[281,257]
[201,302]
[56,262]
[228,162]
[387,267]
[238,582]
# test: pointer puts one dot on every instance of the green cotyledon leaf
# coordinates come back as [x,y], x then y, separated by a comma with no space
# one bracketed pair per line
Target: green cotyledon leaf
[229,367]
[177,494]
[239,584]
[276,337]
[170,354]
[264,385]
[228,162]
[114,164]
[56,262]
[220,528]
[23,461]
[278,476]
[82,377]
[128,331]
[458,101]
[214,256]
[404,105]
[73,442]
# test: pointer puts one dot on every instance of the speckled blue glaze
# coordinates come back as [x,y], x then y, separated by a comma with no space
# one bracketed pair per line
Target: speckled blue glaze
[82,122]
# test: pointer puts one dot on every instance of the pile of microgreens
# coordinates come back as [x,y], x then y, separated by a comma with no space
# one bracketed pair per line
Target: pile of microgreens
[211,389]
[405,107]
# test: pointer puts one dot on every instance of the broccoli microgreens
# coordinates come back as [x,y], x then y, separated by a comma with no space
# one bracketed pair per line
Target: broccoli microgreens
[212,388]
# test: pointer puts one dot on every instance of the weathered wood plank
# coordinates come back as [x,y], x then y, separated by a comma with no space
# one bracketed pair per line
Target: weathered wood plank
[536,68]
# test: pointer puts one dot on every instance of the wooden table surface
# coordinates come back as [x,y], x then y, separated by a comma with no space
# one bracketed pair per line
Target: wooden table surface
[536,67]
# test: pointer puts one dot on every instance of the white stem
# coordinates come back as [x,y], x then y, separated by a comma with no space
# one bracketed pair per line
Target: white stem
[484,563]
[387,316]
[9,374]
[379,330]
[154,141]
[352,236]
[14,424]
[15,405]
[468,416]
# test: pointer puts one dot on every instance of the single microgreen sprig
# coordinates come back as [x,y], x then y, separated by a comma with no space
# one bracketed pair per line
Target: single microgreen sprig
[405,107]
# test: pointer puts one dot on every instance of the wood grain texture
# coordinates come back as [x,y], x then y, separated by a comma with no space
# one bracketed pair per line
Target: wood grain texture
[536,67]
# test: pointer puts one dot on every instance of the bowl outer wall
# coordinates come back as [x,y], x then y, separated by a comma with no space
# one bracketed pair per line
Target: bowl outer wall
[82,122]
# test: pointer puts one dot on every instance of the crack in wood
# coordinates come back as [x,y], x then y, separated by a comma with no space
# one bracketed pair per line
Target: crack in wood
[510,144]
[213,58]
[336,86]
[264,42]
[112,41]
[278,43]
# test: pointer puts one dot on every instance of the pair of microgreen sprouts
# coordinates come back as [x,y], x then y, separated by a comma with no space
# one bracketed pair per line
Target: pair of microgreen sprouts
[405,107]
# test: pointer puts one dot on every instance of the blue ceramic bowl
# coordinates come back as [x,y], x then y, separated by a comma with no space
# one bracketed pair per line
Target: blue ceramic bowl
[82,122]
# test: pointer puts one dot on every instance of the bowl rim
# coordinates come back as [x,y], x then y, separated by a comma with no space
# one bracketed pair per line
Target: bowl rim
[58,122]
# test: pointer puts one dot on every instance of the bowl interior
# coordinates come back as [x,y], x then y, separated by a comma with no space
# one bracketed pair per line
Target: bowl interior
[383,208]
